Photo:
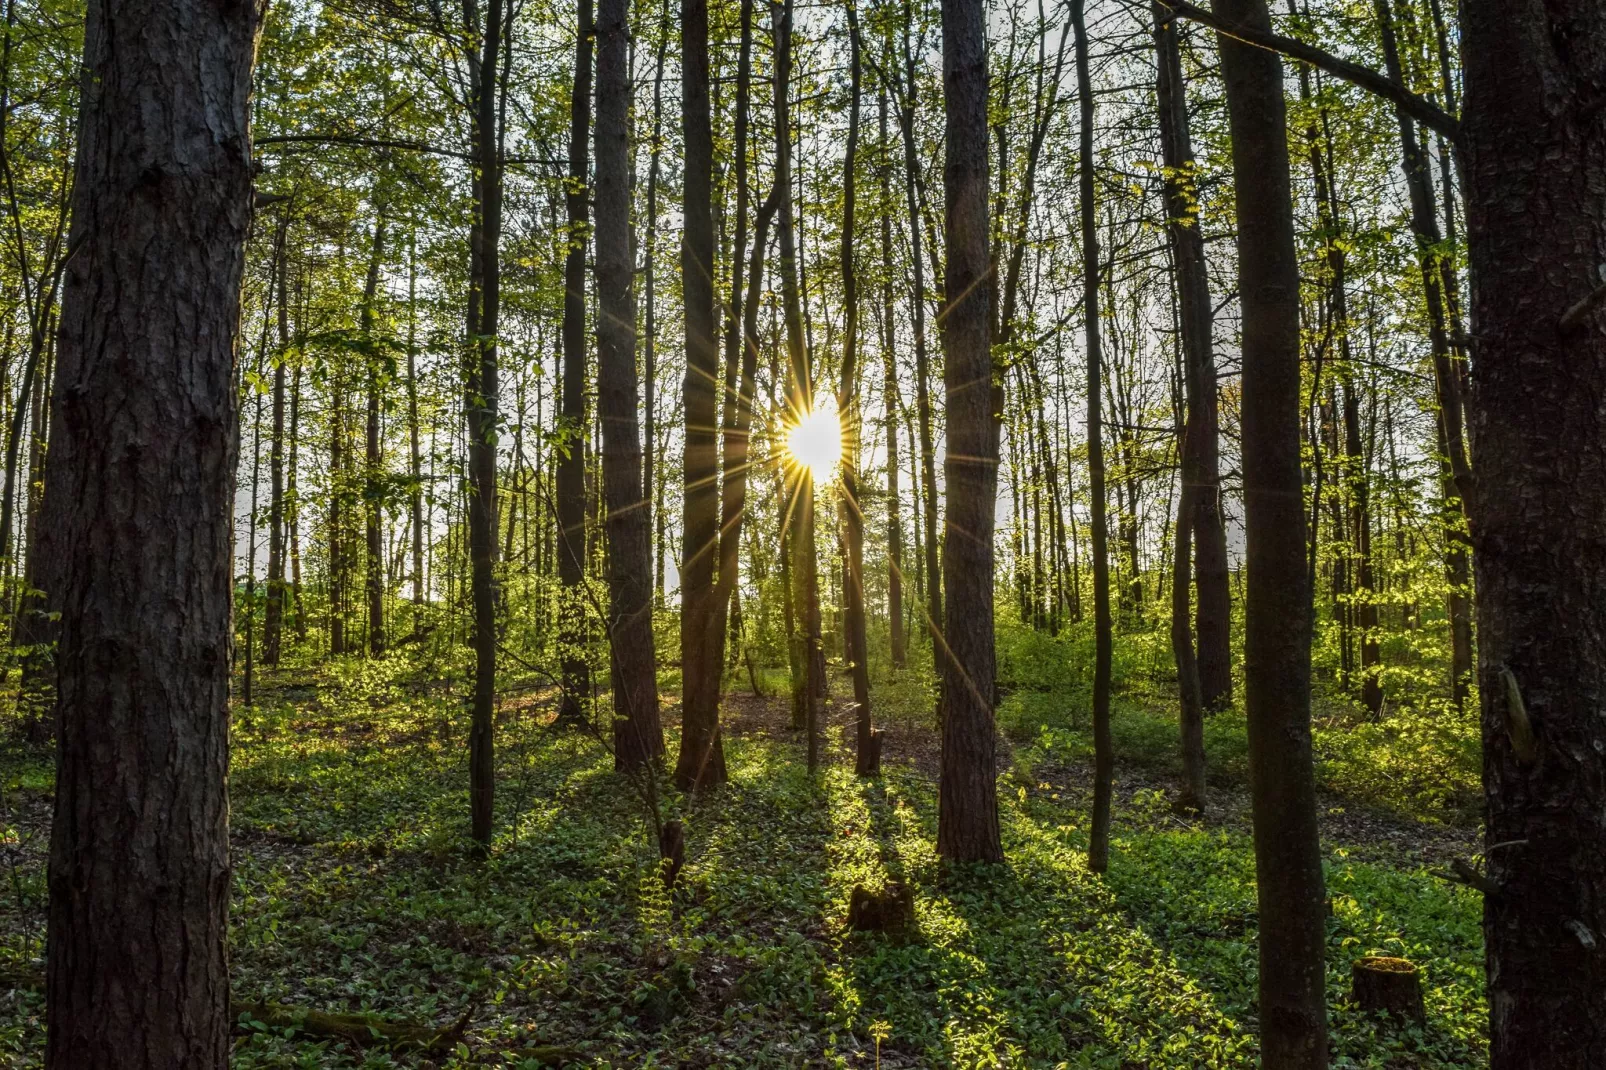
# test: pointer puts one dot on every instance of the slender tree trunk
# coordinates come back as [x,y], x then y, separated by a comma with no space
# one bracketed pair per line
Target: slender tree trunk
[481,429]
[273,616]
[1293,1031]
[967,815]
[373,507]
[293,505]
[1098,854]
[415,459]
[928,450]
[856,640]
[649,279]
[890,396]
[1209,530]
[137,527]
[701,765]
[573,421]
[1456,472]
[251,557]
[1535,155]
[638,736]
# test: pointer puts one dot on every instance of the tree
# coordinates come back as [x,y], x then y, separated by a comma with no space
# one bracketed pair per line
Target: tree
[1288,867]
[701,764]
[1535,162]
[967,822]
[571,474]
[137,520]
[1098,852]
[637,735]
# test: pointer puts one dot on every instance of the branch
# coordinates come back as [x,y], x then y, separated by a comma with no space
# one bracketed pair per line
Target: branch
[1463,872]
[1574,317]
[1419,108]
[360,142]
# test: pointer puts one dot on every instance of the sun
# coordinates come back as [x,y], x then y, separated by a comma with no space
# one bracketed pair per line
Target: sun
[816,442]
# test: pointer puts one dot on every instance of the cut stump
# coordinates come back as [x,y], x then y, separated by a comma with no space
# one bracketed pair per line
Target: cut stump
[1390,985]
[891,910]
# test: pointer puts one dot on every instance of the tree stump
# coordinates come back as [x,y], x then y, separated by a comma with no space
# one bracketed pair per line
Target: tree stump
[1390,985]
[672,850]
[891,910]
[869,757]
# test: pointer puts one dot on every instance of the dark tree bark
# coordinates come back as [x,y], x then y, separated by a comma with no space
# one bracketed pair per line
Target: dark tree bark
[573,422]
[701,764]
[856,640]
[1209,531]
[1098,852]
[649,342]
[1536,221]
[481,396]
[637,734]
[1288,865]
[373,474]
[273,616]
[890,398]
[144,442]
[967,821]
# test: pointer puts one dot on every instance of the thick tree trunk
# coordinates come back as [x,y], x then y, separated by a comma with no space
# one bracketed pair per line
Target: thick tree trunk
[1293,1033]
[701,764]
[137,525]
[967,815]
[482,431]
[1098,851]
[573,422]
[1209,530]
[1536,222]
[638,736]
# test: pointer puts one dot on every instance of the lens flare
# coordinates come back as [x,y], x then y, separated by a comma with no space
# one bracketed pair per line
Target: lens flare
[815,441]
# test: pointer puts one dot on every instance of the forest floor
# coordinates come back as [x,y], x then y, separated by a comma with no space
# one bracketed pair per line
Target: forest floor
[355,891]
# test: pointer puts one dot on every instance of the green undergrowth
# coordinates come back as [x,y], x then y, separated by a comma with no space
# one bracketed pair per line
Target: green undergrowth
[354,890]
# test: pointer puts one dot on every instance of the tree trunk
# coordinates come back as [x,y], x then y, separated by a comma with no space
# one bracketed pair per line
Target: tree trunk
[967,815]
[273,617]
[637,734]
[482,430]
[416,503]
[856,640]
[1277,594]
[137,526]
[890,399]
[701,764]
[1098,852]
[373,506]
[573,421]
[1209,531]
[1535,154]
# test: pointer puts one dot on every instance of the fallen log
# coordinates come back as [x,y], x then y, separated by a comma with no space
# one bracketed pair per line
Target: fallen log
[363,1029]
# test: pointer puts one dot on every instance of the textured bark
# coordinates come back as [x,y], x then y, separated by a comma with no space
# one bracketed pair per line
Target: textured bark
[571,473]
[1213,614]
[1536,223]
[1288,871]
[1098,852]
[637,734]
[481,397]
[967,815]
[137,526]
[701,764]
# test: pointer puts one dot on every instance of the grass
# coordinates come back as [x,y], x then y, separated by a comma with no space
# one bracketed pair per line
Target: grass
[354,890]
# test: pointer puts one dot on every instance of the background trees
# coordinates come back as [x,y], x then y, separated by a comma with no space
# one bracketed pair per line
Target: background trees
[442,459]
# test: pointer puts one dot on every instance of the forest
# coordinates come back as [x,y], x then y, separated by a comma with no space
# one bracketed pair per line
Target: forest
[825,533]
